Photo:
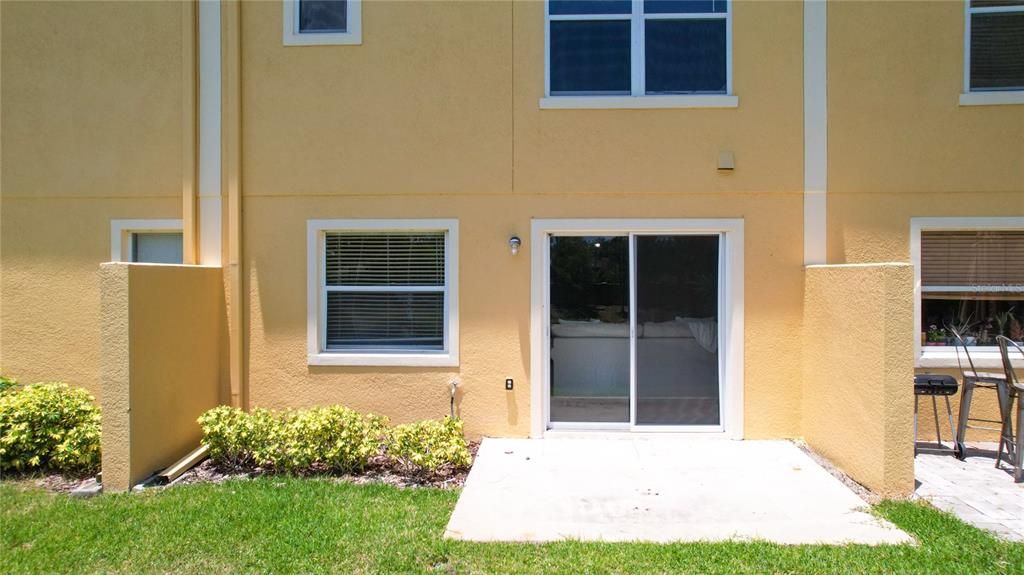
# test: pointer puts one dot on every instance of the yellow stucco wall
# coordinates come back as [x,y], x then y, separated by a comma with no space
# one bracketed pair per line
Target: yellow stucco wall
[436,115]
[901,146]
[92,124]
[161,364]
[858,364]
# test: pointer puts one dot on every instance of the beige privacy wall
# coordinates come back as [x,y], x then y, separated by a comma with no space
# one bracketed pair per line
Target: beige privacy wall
[858,372]
[161,329]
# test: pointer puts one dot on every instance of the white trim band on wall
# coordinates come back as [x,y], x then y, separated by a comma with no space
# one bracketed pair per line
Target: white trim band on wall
[815,131]
[210,202]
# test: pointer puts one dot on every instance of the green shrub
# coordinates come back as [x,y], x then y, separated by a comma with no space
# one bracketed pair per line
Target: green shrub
[334,438]
[7,383]
[427,446]
[240,439]
[49,426]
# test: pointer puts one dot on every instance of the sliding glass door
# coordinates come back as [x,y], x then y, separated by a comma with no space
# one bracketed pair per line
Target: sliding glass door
[590,323]
[676,291]
[633,331]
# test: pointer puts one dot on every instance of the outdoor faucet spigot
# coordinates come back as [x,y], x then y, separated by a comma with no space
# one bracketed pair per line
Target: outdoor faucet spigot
[453,383]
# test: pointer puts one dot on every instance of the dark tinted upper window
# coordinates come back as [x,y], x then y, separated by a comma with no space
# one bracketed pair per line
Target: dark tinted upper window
[997,45]
[682,48]
[590,56]
[319,16]
[685,56]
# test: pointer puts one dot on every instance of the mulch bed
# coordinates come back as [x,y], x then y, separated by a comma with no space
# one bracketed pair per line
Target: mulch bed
[49,480]
[380,470]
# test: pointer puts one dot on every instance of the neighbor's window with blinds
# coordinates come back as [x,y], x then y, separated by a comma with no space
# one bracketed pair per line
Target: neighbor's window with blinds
[972,281]
[385,291]
[996,44]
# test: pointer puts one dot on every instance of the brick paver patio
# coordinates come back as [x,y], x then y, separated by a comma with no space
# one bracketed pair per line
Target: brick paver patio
[973,489]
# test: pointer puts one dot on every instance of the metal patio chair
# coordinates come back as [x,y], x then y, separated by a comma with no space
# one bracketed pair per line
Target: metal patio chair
[973,379]
[1015,389]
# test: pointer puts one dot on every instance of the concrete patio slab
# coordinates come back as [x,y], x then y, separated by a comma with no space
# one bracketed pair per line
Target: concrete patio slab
[658,488]
[973,489]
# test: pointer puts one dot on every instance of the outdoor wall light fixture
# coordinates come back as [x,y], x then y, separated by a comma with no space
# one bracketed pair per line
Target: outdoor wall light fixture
[514,242]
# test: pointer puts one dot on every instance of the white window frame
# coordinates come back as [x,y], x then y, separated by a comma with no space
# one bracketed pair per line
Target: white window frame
[122,234]
[970,96]
[352,36]
[638,99]
[316,231]
[945,356]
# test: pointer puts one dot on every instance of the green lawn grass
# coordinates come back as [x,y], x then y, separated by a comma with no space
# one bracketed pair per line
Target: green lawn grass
[285,525]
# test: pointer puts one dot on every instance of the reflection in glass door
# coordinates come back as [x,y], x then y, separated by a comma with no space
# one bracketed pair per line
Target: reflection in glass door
[634,331]
[676,285]
[589,303]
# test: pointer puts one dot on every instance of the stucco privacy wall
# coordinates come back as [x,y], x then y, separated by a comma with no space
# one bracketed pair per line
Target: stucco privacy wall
[91,100]
[161,330]
[436,115]
[858,367]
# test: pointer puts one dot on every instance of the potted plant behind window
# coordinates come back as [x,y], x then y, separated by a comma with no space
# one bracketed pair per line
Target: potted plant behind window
[935,335]
[960,326]
[1003,322]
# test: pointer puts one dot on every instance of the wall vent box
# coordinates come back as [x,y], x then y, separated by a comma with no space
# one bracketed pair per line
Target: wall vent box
[726,161]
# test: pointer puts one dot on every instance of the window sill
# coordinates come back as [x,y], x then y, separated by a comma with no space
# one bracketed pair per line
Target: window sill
[385,359]
[947,359]
[324,39]
[638,102]
[1006,98]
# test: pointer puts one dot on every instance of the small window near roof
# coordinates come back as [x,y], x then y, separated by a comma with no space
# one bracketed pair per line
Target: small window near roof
[322,22]
[995,45]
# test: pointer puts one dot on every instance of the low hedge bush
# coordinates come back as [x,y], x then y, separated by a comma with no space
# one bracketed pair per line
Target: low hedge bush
[329,439]
[426,446]
[334,438]
[49,426]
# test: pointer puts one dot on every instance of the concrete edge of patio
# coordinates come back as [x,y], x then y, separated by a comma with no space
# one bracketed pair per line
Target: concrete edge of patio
[659,489]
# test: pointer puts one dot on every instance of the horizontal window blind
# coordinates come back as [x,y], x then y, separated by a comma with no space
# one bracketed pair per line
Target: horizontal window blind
[385,259]
[972,258]
[385,321]
[385,291]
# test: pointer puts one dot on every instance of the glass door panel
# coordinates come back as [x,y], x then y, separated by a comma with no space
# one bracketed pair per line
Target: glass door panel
[589,327]
[677,379]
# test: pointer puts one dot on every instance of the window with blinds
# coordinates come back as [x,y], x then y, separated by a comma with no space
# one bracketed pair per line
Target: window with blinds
[996,44]
[384,291]
[973,259]
[972,282]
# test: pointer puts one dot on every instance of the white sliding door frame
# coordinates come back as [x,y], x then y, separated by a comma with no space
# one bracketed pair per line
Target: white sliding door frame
[730,286]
